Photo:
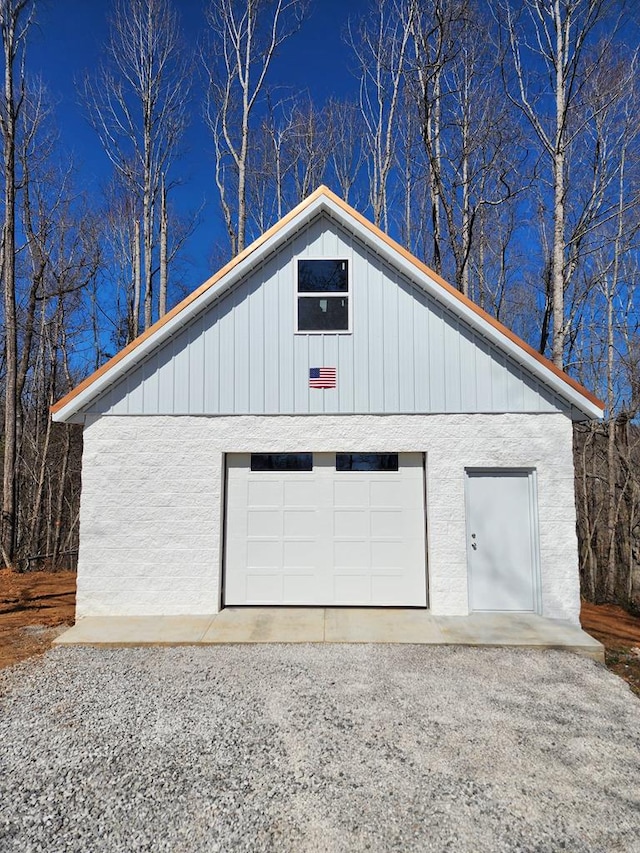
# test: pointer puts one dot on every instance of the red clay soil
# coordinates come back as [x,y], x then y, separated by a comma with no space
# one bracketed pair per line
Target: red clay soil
[34,608]
[620,633]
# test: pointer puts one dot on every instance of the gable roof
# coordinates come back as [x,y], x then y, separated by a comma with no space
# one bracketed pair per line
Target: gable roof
[70,407]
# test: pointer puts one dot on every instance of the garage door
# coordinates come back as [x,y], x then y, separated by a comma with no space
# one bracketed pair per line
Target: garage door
[325,529]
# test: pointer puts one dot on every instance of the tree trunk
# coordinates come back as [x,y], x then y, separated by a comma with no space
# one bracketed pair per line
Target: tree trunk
[137,284]
[62,483]
[164,273]
[557,260]
[147,236]
[10,16]
[557,265]
[433,133]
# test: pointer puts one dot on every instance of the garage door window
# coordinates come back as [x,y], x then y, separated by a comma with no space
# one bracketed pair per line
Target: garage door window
[366,461]
[281,462]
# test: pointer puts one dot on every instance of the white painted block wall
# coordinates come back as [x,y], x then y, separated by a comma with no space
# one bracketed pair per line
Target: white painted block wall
[152,491]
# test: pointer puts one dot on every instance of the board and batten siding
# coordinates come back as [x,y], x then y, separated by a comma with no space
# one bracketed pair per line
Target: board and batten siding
[406,353]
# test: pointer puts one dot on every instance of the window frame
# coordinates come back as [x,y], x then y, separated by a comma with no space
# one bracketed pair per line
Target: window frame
[348,294]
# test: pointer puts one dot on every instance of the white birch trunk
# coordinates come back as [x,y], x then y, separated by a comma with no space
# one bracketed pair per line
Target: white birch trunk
[164,267]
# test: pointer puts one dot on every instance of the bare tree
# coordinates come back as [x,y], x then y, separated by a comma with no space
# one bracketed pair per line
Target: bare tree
[345,134]
[53,261]
[308,145]
[605,330]
[434,44]
[15,19]
[288,159]
[381,46]
[136,103]
[268,175]
[471,140]
[548,43]
[619,155]
[245,35]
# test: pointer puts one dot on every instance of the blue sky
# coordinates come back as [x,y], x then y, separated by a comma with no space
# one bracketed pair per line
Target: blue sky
[69,40]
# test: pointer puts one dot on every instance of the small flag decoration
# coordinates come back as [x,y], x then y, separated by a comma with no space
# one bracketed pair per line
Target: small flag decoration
[322,377]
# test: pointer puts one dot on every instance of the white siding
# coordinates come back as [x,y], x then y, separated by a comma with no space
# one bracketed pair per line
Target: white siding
[406,354]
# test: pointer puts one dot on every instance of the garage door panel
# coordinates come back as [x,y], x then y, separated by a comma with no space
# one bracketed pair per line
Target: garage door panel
[300,522]
[264,554]
[353,553]
[264,522]
[264,494]
[387,522]
[383,494]
[300,494]
[323,537]
[350,523]
[350,494]
[298,588]
[298,553]
[352,589]
[387,587]
[384,555]
[264,588]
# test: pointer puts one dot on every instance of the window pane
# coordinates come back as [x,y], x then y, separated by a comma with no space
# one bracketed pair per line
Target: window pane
[366,461]
[317,314]
[281,462]
[323,276]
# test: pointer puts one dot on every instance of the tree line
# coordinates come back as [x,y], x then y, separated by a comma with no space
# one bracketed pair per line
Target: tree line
[498,142]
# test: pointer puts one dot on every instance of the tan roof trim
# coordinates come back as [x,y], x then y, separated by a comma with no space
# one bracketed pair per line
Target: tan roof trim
[423,268]
[464,299]
[207,285]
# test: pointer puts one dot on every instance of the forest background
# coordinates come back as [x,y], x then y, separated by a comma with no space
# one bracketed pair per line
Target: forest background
[144,142]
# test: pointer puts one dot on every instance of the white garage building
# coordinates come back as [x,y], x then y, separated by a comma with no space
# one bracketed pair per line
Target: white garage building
[327,422]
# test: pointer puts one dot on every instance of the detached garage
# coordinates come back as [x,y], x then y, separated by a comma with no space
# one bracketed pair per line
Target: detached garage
[327,422]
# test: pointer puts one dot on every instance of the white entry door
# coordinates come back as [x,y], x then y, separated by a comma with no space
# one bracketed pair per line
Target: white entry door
[501,541]
[325,529]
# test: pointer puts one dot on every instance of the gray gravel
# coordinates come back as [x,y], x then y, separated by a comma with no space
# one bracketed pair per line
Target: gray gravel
[317,748]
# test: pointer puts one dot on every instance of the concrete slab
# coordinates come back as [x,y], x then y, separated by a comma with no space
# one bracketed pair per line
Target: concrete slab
[136,630]
[334,625]
[391,625]
[267,625]
[522,630]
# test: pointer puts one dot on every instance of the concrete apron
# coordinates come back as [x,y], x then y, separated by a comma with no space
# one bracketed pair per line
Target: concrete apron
[333,625]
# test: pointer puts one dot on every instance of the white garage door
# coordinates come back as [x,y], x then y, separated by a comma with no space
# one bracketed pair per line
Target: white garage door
[325,529]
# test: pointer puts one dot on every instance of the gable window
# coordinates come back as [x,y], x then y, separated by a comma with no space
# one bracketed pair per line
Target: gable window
[322,295]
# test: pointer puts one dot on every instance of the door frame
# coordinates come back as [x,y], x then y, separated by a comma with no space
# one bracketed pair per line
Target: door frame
[222,560]
[532,480]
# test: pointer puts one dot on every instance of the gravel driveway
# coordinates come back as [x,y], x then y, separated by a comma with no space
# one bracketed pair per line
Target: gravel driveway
[317,748]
